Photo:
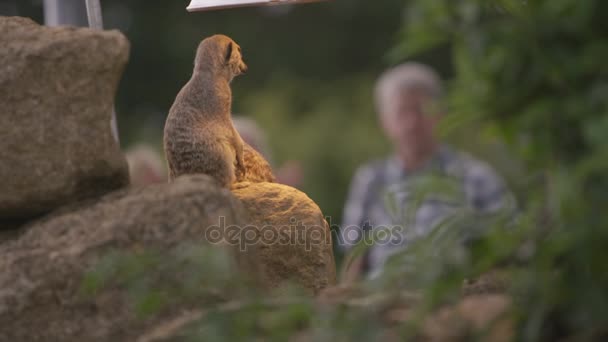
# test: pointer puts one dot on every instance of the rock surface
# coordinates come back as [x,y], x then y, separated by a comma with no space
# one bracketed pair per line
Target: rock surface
[57,88]
[293,236]
[41,272]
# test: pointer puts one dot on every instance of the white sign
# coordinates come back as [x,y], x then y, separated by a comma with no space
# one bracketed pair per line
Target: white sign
[207,5]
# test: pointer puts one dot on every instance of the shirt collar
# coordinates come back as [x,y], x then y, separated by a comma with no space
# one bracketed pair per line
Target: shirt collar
[395,168]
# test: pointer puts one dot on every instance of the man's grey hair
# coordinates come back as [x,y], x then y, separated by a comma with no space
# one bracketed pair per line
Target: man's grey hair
[407,76]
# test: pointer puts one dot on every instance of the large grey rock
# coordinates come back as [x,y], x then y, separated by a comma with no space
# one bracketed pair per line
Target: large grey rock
[41,272]
[292,234]
[57,88]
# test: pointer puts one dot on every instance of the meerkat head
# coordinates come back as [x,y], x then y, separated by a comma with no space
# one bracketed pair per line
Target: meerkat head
[220,55]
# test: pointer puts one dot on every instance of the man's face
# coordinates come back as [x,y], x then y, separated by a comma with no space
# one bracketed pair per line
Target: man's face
[409,119]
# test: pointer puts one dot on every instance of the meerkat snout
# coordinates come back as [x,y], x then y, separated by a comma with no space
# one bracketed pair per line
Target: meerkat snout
[243,67]
[234,59]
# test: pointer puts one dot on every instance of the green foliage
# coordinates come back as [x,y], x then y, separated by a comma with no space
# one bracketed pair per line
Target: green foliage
[535,69]
[273,321]
[154,281]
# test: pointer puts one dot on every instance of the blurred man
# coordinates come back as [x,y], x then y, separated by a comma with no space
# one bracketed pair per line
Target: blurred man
[408,101]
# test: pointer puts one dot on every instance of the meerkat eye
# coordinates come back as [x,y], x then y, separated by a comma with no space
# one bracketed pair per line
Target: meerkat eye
[229,52]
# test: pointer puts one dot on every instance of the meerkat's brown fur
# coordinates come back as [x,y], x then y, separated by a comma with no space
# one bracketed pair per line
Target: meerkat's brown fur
[256,168]
[199,135]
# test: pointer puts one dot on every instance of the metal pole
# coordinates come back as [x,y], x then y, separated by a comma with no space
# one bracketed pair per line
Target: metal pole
[94,14]
[65,12]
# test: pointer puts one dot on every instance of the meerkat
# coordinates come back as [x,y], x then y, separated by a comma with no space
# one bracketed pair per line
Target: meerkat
[199,136]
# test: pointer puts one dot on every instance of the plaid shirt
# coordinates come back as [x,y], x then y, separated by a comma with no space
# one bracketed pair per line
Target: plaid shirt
[480,188]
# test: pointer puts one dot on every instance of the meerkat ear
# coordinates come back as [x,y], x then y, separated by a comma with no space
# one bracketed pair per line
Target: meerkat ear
[229,52]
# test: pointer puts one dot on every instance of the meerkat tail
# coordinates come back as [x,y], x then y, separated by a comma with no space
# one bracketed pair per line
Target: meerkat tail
[257,169]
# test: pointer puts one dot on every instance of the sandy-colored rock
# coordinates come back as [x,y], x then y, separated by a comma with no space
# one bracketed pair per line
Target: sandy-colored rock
[57,88]
[41,272]
[292,234]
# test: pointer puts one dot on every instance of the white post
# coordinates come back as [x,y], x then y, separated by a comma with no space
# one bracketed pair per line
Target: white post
[94,14]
